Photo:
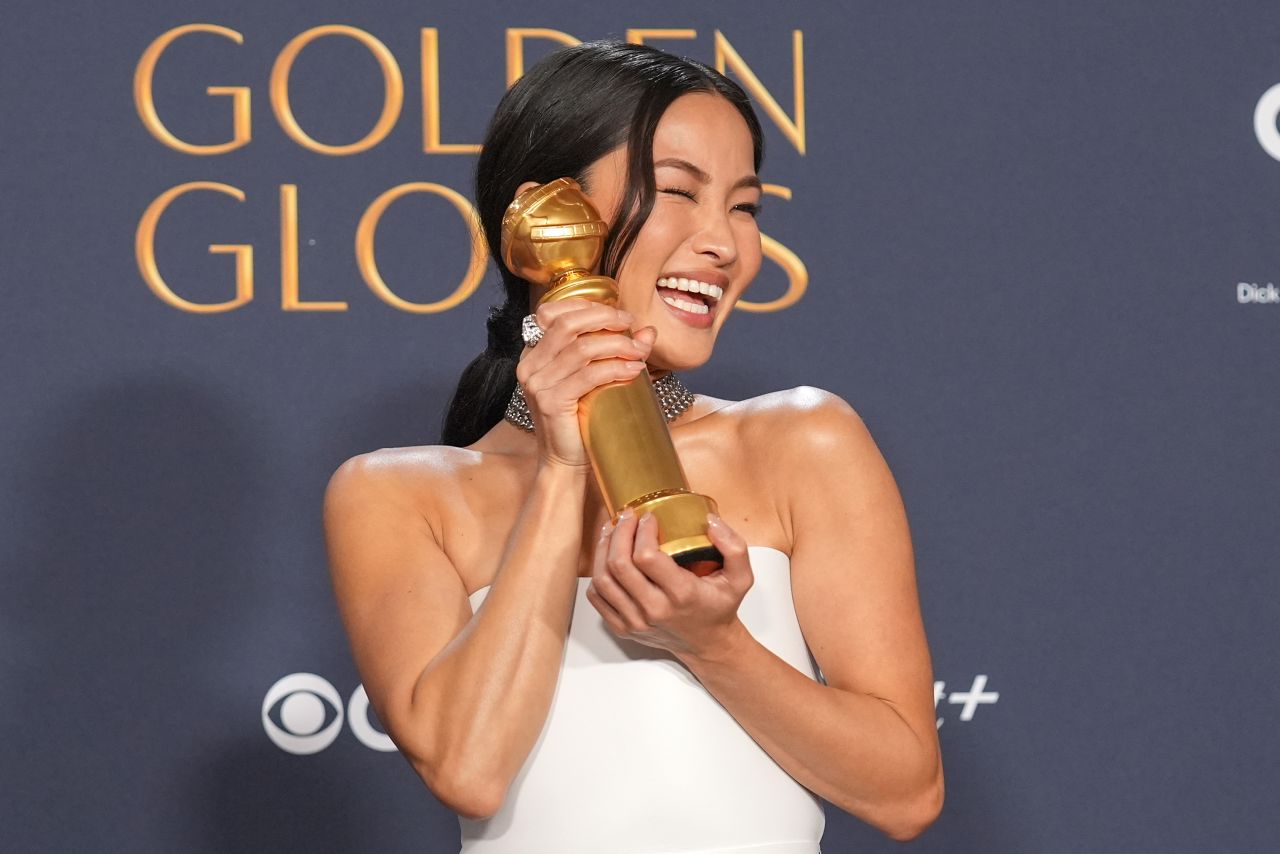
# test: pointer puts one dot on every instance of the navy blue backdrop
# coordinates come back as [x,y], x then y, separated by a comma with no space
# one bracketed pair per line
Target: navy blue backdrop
[1034,245]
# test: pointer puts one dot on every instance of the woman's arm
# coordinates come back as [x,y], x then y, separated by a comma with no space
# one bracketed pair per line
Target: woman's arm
[464,697]
[867,740]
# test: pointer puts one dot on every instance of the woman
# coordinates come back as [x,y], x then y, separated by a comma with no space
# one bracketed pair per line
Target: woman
[549,673]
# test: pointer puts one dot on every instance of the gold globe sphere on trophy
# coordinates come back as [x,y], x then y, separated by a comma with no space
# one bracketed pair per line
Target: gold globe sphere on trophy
[553,236]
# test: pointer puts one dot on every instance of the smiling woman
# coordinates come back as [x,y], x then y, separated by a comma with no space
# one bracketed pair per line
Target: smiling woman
[700,235]
[547,670]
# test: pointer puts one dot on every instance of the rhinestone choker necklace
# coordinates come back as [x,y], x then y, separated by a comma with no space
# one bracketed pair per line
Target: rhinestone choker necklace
[674,396]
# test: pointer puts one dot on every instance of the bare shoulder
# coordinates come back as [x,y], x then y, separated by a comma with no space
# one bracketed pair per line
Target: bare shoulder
[388,468]
[382,536]
[406,477]
[440,496]
[805,420]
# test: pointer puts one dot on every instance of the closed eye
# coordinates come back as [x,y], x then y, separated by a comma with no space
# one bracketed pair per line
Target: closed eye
[752,208]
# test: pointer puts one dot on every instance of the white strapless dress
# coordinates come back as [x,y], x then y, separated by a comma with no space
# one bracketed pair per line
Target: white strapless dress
[636,757]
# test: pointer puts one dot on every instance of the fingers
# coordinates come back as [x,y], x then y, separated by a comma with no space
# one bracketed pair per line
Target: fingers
[675,582]
[565,320]
[611,617]
[737,561]
[639,582]
[610,614]
[586,349]
[607,585]
[635,541]
[577,332]
[647,335]
[585,345]
[642,594]
[548,313]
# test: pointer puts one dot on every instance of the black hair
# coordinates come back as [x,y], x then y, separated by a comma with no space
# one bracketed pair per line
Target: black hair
[568,111]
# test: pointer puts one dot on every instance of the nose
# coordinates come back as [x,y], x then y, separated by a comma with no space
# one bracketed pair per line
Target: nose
[714,238]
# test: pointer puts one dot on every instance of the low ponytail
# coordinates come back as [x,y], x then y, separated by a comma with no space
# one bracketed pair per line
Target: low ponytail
[485,387]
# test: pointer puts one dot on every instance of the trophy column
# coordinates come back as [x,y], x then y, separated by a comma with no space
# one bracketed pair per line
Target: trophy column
[553,236]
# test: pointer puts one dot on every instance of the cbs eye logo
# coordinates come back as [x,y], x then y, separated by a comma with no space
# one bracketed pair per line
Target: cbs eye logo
[302,713]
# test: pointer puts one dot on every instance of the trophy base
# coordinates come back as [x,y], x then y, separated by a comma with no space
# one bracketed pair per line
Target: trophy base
[700,560]
[682,527]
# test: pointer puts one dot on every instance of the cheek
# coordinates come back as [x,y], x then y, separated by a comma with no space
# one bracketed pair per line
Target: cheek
[661,235]
[750,252]
[654,244]
[635,288]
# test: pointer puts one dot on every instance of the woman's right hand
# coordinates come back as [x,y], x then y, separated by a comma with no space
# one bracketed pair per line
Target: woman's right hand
[585,345]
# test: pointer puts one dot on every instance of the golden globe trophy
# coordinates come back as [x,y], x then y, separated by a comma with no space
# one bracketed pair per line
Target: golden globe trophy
[553,236]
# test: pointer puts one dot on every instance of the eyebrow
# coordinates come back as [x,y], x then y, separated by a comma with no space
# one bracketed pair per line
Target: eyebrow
[701,176]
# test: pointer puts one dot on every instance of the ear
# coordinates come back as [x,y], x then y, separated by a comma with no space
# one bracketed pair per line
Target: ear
[527,185]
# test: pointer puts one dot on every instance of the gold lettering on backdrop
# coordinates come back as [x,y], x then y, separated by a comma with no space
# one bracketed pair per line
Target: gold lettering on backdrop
[289,298]
[144,247]
[638,36]
[431,143]
[392,82]
[367,262]
[797,273]
[792,129]
[145,103]
[515,47]
[726,59]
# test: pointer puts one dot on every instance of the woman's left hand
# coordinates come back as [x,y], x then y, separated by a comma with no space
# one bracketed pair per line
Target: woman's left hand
[646,596]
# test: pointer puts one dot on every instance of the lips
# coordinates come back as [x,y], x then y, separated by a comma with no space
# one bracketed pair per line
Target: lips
[690,294]
[694,287]
[691,299]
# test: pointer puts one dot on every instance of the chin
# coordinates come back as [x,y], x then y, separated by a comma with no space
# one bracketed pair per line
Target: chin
[685,348]
[678,362]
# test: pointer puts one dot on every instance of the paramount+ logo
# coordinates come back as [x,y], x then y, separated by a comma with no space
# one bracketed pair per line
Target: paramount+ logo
[303,713]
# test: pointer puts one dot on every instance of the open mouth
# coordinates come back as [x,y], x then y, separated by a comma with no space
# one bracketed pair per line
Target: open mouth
[689,294]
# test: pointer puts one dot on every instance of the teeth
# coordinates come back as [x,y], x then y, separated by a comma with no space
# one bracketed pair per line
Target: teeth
[692,286]
[691,307]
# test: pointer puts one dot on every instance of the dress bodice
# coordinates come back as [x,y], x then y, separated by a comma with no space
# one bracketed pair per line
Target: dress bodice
[636,757]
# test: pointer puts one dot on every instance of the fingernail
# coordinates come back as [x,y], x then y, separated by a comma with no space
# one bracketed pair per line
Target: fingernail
[646,518]
[714,520]
[626,514]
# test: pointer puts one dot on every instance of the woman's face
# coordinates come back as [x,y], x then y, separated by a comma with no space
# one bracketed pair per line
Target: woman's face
[700,247]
